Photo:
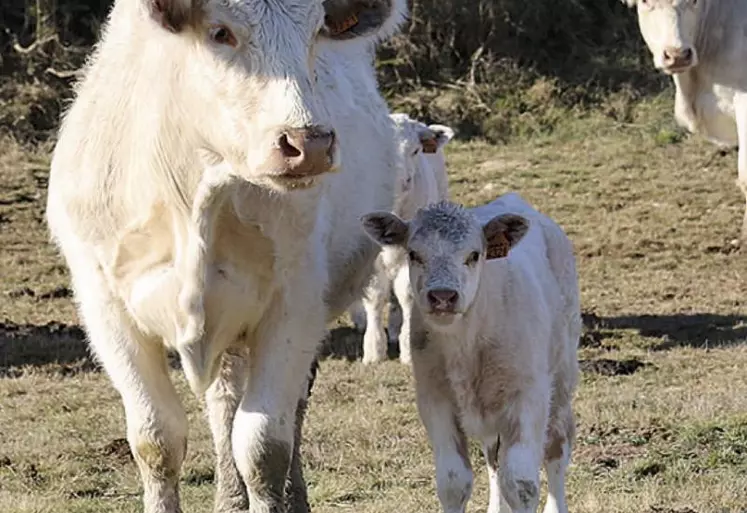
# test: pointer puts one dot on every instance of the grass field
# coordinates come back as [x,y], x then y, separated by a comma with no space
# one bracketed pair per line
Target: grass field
[662,404]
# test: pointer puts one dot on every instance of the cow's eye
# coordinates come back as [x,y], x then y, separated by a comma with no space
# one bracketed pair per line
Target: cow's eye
[415,258]
[417,150]
[223,35]
[472,258]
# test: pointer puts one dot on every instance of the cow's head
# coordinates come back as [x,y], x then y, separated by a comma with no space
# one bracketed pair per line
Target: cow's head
[669,28]
[447,248]
[248,70]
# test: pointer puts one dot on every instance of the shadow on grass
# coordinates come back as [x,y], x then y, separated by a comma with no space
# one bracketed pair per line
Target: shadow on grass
[677,330]
[53,348]
[345,343]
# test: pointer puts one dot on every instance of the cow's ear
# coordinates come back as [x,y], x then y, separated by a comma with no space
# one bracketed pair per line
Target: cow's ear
[174,15]
[368,19]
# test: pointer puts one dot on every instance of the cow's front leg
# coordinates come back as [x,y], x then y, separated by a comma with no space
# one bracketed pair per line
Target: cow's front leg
[222,399]
[264,426]
[740,111]
[138,369]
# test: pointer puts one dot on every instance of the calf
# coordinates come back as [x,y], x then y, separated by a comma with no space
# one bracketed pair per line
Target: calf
[702,45]
[422,179]
[495,333]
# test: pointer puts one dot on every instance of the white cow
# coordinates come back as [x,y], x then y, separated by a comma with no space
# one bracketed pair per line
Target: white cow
[192,196]
[495,339]
[702,45]
[422,180]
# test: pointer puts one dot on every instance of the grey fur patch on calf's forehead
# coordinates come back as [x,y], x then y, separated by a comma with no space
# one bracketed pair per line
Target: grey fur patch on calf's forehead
[452,222]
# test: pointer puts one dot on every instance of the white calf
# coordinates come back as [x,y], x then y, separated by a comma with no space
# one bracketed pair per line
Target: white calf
[495,335]
[422,180]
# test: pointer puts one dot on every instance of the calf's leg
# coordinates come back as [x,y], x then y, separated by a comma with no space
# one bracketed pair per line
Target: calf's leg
[557,459]
[375,297]
[497,503]
[453,468]
[522,448]
[404,298]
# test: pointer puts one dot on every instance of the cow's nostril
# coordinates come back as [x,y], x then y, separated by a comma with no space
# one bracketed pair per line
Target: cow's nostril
[687,54]
[287,148]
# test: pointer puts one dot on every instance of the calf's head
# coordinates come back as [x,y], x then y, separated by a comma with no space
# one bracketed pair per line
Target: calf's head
[247,77]
[416,140]
[447,248]
[669,28]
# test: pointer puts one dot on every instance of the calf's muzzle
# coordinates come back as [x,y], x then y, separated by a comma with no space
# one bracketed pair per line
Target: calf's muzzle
[442,300]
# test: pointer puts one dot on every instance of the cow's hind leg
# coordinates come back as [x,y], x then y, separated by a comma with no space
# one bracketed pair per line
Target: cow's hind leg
[740,111]
[138,368]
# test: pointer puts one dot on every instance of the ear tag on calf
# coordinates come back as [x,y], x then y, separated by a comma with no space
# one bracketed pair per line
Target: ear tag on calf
[346,25]
[499,250]
[429,145]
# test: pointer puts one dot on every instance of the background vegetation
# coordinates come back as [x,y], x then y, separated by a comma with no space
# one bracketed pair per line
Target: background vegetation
[493,68]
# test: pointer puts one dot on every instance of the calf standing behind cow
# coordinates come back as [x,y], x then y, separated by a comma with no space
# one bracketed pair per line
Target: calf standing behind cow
[495,333]
[193,196]
[702,44]
[421,180]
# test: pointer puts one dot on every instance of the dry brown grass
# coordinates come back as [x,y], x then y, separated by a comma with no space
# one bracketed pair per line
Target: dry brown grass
[652,214]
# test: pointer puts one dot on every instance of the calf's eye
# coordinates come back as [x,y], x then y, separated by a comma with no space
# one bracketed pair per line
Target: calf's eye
[472,258]
[223,35]
[414,257]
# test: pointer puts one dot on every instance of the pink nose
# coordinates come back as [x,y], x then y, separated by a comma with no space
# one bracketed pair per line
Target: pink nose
[678,57]
[443,300]
[306,151]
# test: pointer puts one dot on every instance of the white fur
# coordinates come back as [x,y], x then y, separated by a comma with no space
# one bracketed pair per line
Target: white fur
[504,364]
[422,180]
[710,95]
[178,236]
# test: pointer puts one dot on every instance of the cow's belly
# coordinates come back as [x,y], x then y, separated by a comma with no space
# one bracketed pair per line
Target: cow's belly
[715,113]
[233,302]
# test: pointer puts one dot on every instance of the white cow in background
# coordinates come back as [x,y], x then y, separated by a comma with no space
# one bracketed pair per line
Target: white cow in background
[205,192]
[422,180]
[702,45]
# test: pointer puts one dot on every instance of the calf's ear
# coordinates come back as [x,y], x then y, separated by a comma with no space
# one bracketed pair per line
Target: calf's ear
[444,134]
[385,228]
[372,19]
[502,233]
[174,15]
